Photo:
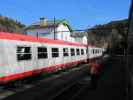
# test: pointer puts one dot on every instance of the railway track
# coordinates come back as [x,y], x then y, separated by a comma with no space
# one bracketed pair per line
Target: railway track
[72,91]
[66,85]
[10,93]
[9,90]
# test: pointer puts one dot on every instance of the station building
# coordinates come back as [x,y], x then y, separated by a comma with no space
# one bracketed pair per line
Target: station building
[58,29]
[55,29]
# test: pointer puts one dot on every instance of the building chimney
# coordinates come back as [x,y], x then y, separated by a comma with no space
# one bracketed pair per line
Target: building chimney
[42,21]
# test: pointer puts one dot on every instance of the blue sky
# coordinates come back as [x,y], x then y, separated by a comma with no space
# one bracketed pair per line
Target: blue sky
[80,13]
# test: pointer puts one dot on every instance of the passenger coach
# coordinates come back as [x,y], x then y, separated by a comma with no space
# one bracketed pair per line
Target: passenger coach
[22,56]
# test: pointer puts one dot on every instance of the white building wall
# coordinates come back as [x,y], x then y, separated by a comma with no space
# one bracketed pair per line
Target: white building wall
[84,40]
[78,39]
[47,32]
[71,39]
[63,33]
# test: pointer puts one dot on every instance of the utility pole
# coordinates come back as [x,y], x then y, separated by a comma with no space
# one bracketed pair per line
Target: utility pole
[54,29]
[37,34]
[87,34]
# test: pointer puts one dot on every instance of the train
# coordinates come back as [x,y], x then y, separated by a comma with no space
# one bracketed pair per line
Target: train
[22,56]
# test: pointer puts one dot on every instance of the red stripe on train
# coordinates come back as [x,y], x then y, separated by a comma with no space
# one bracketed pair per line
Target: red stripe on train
[35,72]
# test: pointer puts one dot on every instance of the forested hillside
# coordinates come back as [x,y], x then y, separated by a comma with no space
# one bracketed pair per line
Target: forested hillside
[10,25]
[112,34]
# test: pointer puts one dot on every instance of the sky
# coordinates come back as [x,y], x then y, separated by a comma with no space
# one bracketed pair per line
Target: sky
[80,14]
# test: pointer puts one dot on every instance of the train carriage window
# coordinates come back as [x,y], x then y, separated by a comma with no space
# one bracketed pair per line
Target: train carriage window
[23,53]
[65,52]
[82,51]
[78,53]
[86,51]
[96,51]
[55,52]
[72,52]
[93,51]
[42,52]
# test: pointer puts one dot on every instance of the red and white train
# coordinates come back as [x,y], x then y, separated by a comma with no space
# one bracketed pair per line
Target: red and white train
[22,56]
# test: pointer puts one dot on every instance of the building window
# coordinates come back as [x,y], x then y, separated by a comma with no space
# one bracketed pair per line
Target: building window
[42,52]
[78,53]
[65,52]
[55,52]
[72,52]
[82,51]
[23,53]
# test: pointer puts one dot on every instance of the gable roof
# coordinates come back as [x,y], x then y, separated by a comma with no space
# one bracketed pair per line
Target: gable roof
[49,24]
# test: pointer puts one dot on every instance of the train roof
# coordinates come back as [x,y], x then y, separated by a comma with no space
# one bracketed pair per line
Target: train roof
[22,37]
